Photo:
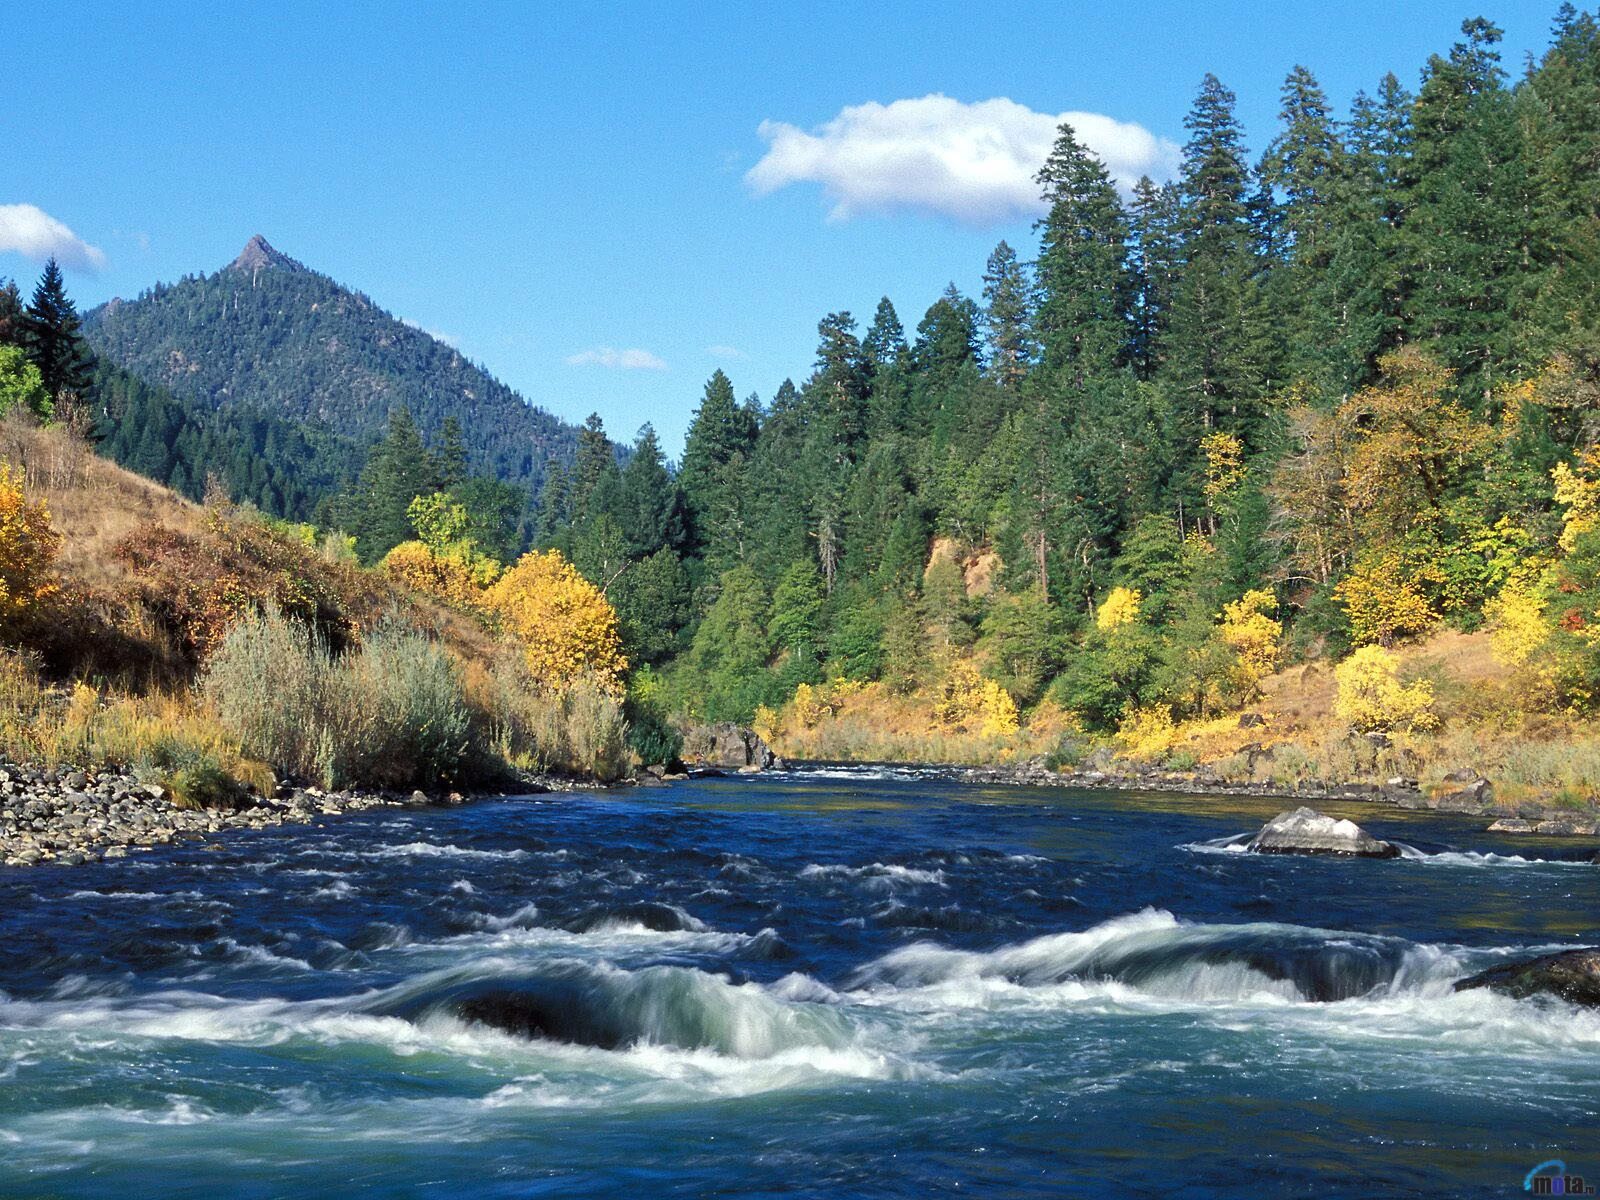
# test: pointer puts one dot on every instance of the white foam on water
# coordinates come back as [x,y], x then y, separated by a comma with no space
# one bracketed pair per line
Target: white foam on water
[516,919]
[440,850]
[876,875]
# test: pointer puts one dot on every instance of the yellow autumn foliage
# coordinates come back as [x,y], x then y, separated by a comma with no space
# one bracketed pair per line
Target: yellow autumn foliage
[1517,626]
[1224,455]
[564,623]
[458,579]
[1372,699]
[1383,603]
[1251,634]
[966,697]
[1147,732]
[1120,607]
[1579,492]
[28,547]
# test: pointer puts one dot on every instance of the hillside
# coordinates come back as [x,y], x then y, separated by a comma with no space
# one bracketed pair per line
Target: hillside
[267,335]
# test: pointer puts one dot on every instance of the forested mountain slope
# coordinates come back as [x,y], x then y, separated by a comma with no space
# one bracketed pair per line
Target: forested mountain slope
[268,336]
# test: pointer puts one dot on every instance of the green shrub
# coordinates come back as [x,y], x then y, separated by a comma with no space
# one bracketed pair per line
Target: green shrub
[389,713]
[581,731]
[203,783]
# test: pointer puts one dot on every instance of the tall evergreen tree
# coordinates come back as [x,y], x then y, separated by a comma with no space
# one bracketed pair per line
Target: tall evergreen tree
[1468,235]
[452,454]
[1298,174]
[1007,317]
[1216,348]
[720,439]
[1153,264]
[11,314]
[1083,285]
[887,359]
[398,470]
[651,520]
[52,334]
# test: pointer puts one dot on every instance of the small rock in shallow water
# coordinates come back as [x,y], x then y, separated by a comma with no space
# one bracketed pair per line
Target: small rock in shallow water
[1306,831]
[1572,975]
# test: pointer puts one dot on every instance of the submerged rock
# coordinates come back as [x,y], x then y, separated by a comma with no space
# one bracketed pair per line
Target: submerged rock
[1306,831]
[1571,975]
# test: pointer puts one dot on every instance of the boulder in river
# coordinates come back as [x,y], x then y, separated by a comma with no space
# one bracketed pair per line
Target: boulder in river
[1306,831]
[1572,975]
[729,747]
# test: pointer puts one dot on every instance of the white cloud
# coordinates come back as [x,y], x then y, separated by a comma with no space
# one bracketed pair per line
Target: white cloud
[34,233]
[621,360]
[972,162]
[720,351]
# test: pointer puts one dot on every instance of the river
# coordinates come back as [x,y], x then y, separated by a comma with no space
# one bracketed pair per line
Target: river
[837,982]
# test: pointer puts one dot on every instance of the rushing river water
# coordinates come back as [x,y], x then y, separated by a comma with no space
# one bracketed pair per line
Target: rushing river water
[836,983]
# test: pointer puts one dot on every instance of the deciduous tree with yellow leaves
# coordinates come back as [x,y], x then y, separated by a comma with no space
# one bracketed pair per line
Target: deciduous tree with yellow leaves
[28,546]
[563,622]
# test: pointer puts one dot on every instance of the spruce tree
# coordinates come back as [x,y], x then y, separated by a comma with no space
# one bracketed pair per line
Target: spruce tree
[52,334]
[1007,317]
[1082,271]
[650,506]
[1216,333]
[1468,235]
[1153,262]
[398,470]
[452,454]
[721,437]
[887,359]
[11,314]
[1298,175]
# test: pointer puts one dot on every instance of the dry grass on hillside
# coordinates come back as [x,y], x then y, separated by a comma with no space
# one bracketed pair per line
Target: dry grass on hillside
[94,504]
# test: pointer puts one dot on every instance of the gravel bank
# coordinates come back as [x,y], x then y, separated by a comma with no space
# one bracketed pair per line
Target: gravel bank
[72,816]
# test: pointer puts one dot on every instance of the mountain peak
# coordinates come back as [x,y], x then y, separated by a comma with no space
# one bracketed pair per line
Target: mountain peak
[258,253]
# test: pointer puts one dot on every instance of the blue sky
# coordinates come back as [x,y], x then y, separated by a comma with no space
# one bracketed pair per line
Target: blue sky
[566,191]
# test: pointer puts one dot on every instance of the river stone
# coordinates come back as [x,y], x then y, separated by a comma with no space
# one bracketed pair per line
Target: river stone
[729,746]
[1306,831]
[1572,975]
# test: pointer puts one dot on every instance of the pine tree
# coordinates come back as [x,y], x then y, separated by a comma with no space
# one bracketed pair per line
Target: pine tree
[1216,332]
[452,453]
[1007,316]
[887,359]
[1082,315]
[651,520]
[596,461]
[11,314]
[52,334]
[1361,294]
[720,439]
[1298,175]
[840,382]
[398,470]
[1153,263]
[1467,240]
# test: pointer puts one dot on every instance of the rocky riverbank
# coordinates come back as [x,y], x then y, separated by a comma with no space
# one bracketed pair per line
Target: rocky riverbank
[72,816]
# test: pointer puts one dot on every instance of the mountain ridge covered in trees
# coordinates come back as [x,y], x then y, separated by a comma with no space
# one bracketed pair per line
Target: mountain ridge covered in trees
[303,371]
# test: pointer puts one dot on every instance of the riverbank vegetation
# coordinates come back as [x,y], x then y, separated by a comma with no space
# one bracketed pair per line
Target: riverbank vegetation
[215,648]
